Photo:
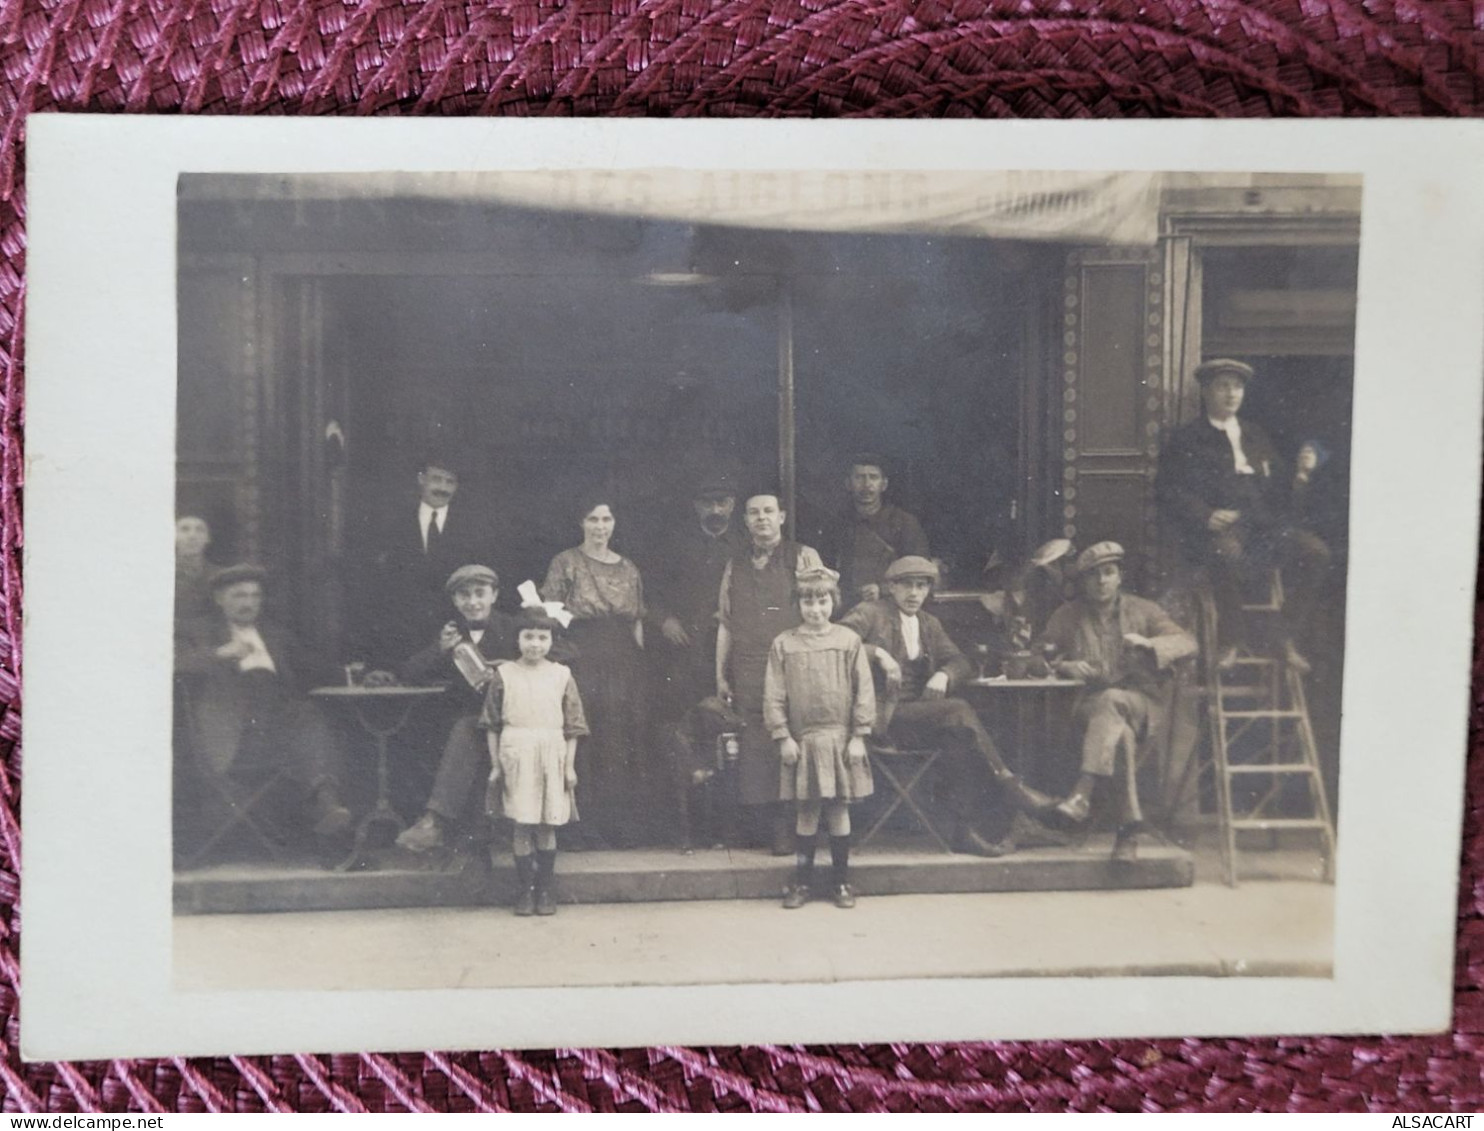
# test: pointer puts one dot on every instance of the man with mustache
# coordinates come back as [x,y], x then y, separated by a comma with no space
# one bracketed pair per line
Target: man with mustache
[683,596]
[871,533]
[420,545]
[251,722]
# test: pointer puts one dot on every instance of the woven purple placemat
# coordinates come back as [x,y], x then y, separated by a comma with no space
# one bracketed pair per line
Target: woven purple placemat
[813,58]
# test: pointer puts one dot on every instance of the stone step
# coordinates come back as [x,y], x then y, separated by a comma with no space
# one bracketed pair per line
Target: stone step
[639,876]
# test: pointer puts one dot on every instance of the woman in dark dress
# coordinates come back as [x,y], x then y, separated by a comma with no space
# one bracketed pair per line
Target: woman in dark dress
[604,593]
[192,569]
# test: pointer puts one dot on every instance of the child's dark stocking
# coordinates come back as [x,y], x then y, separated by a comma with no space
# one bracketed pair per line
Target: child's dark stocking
[837,819]
[545,870]
[798,892]
[806,834]
[524,847]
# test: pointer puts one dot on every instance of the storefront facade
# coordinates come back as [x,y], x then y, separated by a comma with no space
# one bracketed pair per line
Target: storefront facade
[1017,387]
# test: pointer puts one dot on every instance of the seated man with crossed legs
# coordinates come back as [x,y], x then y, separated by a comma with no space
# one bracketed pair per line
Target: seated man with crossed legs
[1122,647]
[922,666]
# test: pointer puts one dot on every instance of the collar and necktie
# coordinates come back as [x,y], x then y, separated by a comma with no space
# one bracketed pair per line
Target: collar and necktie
[432,524]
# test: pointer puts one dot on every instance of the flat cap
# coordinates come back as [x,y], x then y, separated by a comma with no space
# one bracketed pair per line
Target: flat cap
[1052,551]
[470,575]
[1099,553]
[1220,367]
[714,487]
[912,566]
[232,574]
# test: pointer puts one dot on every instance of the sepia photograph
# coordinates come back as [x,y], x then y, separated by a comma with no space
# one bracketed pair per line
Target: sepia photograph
[659,551]
[635,583]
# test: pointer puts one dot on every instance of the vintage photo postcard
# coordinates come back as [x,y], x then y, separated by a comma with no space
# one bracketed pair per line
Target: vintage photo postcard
[644,582]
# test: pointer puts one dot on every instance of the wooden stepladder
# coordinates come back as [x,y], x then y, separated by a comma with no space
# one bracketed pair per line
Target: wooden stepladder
[1263,756]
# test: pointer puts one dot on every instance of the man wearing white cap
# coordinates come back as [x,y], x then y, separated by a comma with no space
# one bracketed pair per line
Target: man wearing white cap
[1122,647]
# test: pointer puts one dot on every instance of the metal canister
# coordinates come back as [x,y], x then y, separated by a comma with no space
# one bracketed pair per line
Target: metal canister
[727,749]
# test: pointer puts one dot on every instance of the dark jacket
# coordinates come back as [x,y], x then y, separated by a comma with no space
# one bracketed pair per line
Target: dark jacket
[216,687]
[684,578]
[1076,631]
[432,665]
[861,548]
[1197,474]
[406,582]
[879,624]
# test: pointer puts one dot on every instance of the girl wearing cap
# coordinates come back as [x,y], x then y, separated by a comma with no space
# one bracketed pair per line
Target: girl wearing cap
[533,716]
[818,705]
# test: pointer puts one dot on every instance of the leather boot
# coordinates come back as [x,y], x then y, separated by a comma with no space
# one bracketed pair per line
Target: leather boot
[968,842]
[545,881]
[330,817]
[1026,799]
[525,879]
[797,893]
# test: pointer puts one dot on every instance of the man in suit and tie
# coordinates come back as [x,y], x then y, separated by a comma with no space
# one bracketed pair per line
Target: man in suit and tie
[419,547]
[246,678]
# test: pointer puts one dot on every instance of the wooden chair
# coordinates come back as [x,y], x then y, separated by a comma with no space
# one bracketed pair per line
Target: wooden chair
[233,808]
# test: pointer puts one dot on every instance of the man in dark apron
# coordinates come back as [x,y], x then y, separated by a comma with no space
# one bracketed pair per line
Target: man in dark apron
[756,604]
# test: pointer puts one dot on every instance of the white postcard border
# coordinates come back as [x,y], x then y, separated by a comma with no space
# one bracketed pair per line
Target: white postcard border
[100,481]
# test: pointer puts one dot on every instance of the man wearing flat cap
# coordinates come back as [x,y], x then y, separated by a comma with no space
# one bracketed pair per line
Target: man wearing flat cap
[463,656]
[1221,493]
[920,667]
[246,678]
[871,533]
[683,581]
[1121,646]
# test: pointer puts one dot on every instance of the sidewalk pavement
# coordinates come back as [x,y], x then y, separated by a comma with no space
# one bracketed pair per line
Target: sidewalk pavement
[1258,929]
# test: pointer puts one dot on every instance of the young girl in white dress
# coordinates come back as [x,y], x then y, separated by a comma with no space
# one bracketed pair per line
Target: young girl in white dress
[533,716]
[819,704]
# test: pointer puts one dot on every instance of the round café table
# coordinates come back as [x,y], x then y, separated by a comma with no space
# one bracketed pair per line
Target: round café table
[1022,692]
[381,712]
